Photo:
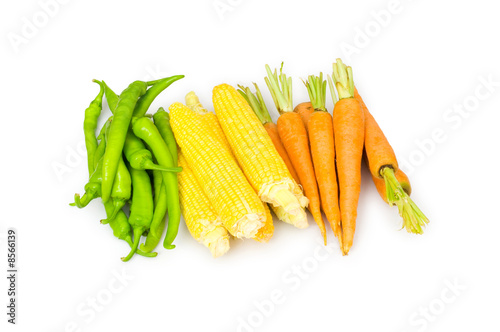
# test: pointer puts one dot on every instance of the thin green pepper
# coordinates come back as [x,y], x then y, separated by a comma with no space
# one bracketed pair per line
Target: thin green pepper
[158,86]
[147,131]
[90,124]
[92,188]
[162,121]
[101,148]
[121,228]
[160,212]
[111,97]
[139,157]
[117,133]
[122,185]
[121,191]
[141,208]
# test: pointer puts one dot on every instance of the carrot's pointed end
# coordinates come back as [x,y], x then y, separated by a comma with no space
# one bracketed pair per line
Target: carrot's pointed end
[337,230]
[345,250]
[324,238]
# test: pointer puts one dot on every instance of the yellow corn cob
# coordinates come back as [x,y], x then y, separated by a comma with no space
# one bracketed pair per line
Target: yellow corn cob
[201,220]
[266,232]
[210,119]
[224,184]
[255,152]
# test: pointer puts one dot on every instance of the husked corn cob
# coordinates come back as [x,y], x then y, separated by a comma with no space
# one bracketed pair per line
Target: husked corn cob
[202,222]
[255,152]
[266,232]
[298,219]
[210,119]
[224,184]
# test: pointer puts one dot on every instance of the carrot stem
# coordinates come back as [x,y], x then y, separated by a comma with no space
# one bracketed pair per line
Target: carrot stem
[331,85]
[257,103]
[342,77]
[316,87]
[281,89]
[413,218]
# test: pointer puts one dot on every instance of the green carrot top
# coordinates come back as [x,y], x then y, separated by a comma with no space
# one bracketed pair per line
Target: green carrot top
[281,89]
[257,103]
[316,88]
[342,80]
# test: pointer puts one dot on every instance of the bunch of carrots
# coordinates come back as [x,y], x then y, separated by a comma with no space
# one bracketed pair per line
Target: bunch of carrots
[325,152]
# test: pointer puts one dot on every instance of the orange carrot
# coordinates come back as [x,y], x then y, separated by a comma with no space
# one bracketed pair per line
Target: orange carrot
[383,165]
[379,152]
[293,135]
[349,130]
[272,130]
[305,110]
[322,142]
[259,107]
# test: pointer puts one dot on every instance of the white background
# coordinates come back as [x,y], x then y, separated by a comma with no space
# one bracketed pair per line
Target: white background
[428,57]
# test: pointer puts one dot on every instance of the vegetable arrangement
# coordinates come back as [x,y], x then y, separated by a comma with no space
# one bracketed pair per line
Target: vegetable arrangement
[224,171]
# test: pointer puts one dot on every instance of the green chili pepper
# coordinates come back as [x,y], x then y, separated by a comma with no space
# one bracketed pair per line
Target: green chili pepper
[147,131]
[92,188]
[162,121]
[89,126]
[158,86]
[121,191]
[122,184]
[160,212]
[111,97]
[121,228]
[117,133]
[101,148]
[139,157]
[141,208]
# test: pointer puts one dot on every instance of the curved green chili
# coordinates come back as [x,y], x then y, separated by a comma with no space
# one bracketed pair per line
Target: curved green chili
[139,157]
[122,184]
[147,131]
[90,124]
[158,86]
[92,188]
[121,191]
[162,121]
[117,133]
[141,208]
[160,212]
[121,228]
[101,148]
[111,97]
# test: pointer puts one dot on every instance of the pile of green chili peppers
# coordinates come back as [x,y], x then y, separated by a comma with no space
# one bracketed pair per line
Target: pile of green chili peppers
[133,160]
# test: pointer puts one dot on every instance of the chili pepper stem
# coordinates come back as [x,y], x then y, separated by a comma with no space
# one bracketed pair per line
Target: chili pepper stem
[137,237]
[413,218]
[128,239]
[84,200]
[149,164]
[118,205]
